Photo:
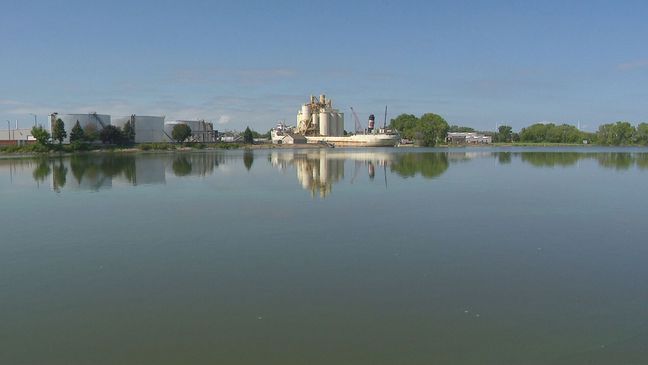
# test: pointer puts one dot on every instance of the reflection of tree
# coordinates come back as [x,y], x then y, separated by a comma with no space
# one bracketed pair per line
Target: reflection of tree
[551,159]
[248,159]
[78,164]
[98,170]
[59,175]
[181,166]
[504,157]
[112,166]
[642,160]
[618,161]
[42,171]
[428,164]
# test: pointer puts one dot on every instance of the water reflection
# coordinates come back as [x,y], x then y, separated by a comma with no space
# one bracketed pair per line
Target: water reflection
[428,165]
[316,170]
[611,160]
[248,159]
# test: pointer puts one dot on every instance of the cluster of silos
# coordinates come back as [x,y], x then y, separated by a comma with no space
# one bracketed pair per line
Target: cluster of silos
[90,122]
[148,129]
[319,117]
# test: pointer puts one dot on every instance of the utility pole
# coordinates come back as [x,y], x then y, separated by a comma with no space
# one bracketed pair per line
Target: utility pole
[35,119]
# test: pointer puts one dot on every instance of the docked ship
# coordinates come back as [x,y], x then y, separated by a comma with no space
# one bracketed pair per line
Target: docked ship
[320,123]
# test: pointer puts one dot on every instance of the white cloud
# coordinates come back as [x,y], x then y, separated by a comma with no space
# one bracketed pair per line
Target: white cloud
[633,65]
[224,119]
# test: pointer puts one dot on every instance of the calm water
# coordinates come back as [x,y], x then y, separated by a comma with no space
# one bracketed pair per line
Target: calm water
[394,256]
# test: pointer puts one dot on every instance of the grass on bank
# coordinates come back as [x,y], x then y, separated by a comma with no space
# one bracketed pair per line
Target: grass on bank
[83,147]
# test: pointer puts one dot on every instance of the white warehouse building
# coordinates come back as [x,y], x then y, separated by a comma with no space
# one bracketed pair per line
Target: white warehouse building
[92,121]
[148,129]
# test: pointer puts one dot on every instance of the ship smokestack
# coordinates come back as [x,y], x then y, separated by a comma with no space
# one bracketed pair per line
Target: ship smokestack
[372,120]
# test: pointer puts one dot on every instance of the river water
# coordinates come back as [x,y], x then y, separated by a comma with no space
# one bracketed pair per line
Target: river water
[332,256]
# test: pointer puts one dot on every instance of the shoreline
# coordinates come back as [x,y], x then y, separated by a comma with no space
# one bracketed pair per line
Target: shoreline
[269,146]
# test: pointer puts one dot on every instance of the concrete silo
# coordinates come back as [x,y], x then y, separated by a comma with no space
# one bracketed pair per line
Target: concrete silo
[324,127]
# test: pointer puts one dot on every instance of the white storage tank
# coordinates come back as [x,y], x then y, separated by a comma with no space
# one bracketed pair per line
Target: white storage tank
[148,129]
[201,131]
[315,120]
[333,123]
[305,112]
[324,127]
[89,122]
[341,123]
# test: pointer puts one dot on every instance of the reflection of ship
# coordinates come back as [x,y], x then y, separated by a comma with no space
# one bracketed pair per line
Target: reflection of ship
[319,122]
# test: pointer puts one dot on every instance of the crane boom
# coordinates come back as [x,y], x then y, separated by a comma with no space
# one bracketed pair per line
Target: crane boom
[358,126]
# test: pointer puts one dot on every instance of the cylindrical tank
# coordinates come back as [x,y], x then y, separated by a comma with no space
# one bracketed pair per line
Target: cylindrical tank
[341,123]
[322,99]
[91,122]
[333,128]
[148,129]
[371,123]
[324,127]
[316,120]
[305,112]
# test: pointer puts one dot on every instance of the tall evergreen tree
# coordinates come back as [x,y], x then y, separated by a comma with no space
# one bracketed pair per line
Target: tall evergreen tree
[58,131]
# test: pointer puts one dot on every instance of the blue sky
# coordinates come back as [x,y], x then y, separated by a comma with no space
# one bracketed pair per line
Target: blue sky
[241,63]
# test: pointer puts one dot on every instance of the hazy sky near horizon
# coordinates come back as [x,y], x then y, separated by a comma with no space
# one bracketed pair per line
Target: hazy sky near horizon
[241,63]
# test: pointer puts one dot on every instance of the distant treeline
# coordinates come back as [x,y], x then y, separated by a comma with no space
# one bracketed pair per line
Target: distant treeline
[431,129]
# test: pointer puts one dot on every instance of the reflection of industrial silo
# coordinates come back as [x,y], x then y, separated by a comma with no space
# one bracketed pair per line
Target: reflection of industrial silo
[147,128]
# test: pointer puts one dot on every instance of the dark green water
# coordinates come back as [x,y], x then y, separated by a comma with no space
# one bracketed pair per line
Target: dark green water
[381,256]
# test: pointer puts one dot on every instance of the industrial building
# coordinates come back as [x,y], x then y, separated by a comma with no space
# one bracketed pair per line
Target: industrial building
[89,122]
[318,117]
[148,129]
[201,131]
[468,138]
[15,136]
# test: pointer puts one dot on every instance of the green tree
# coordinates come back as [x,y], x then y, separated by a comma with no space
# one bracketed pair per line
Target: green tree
[248,137]
[181,132]
[58,131]
[77,134]
[439,126]
[405,125]
[111,134]
[619,133]
[456,129]
[91,133]
[129,132]
[41,135]
[504,133]
[641,135]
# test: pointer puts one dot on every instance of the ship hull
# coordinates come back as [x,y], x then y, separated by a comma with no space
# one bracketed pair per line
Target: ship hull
[359,140]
